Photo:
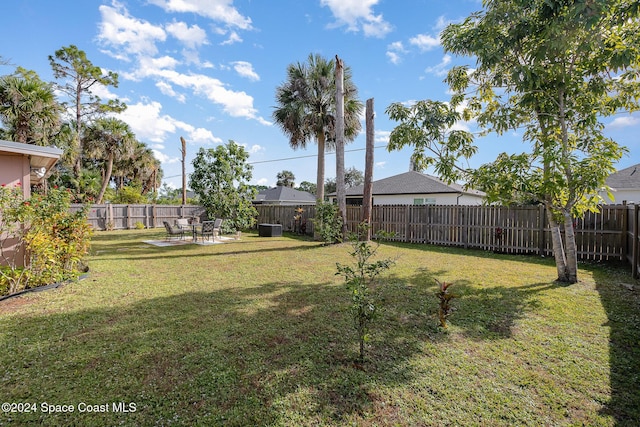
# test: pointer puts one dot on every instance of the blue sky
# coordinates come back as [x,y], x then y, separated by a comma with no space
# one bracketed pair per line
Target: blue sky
[207,70]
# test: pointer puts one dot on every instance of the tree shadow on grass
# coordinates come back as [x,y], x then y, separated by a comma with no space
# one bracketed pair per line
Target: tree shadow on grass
[480,312]
[273,354]
[620,296]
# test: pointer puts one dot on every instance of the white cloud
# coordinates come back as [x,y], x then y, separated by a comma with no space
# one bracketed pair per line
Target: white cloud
[163,158]
[623,122]
[382,136]
[149,124]
[245,69]
[127,34]
[441,68]
[255,148]
[167,89]
[358,15]
[262,181]
[425,42]
[394,51]
[191,37]
[218,10]
[233,38]
[381,165]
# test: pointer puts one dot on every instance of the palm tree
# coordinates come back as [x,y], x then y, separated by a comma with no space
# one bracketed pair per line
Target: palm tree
[110,139]
[29,110]
[286,179]
[306,108]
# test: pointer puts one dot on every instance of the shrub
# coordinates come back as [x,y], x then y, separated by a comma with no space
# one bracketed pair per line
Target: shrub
[56,240]
[327,223]
[359,280]
[444,297]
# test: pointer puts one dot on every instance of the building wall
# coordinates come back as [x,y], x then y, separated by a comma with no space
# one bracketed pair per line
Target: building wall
[14,171]
[620,196]
[433,199]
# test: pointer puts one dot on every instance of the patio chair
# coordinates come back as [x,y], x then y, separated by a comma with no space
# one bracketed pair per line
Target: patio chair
[208,229]
[173,231]
[183,223]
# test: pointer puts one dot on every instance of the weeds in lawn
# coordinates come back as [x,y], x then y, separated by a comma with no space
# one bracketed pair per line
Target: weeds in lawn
[445,297]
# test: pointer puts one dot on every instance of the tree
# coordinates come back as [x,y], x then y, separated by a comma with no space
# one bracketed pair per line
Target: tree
[29,111]
[306,108]
[307,186]
[553,69]
[286,179]
[352,177]
[111,140]
[221,178]
[80,75]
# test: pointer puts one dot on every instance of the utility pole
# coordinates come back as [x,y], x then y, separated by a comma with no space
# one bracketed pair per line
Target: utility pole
[184,174]
[367,198]
[340,189]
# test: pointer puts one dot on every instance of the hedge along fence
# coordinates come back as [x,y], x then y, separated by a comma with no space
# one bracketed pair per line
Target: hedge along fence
[608,235]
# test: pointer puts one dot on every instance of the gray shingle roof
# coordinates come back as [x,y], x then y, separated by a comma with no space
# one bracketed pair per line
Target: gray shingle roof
[411,183]
[284,194]
[628,178]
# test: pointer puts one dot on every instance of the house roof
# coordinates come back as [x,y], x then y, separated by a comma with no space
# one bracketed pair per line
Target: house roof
[628,178]
[284,194]
[39,157]
[412,183]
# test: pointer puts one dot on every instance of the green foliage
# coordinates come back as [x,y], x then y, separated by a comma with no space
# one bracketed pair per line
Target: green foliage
[327,223]
[444,298]
[55,239]
[305,107]
[129,195]
[221,178]
[551,70]
[360,279]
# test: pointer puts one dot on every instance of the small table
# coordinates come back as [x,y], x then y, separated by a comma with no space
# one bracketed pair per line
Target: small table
[269,230]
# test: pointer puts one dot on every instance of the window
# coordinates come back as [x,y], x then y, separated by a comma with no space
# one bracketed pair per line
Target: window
[424,201]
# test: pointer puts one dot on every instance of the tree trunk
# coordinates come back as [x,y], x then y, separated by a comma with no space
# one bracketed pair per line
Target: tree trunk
[558,247]
[571,251]
[320,174]
[107,178]
[367,199]
[340,187]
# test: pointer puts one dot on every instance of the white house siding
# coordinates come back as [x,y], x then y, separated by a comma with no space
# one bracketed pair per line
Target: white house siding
[622,196]
[440,199]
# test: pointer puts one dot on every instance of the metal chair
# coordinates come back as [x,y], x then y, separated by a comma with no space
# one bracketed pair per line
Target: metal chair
[173,231]
[208,229]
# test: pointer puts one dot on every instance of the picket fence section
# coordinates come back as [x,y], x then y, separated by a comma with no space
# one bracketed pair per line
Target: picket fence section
[608,235]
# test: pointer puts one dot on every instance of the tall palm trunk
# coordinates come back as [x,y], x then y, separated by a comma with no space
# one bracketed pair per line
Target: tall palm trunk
[320,175]
[107,177]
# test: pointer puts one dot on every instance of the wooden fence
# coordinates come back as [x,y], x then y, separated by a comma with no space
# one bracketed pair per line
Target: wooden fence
[609,235]
[118,217]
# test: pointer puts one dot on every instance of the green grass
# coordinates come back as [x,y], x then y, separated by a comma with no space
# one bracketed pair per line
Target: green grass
[257,332]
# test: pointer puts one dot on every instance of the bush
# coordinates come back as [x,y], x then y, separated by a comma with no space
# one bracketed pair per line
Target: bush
[327,223]
[360,279]
[56,240]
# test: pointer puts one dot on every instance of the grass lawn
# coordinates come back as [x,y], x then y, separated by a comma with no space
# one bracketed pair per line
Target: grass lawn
[257,332]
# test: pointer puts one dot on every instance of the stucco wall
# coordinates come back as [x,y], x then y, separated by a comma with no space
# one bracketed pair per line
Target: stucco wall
[14,171]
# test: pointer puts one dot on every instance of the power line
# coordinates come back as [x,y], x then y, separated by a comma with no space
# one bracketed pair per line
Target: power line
[294,158]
